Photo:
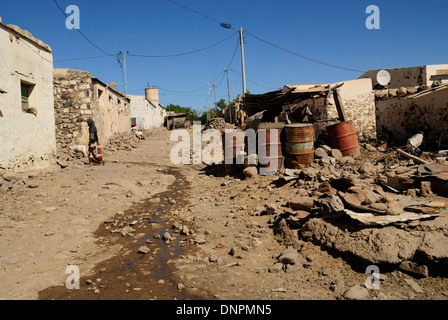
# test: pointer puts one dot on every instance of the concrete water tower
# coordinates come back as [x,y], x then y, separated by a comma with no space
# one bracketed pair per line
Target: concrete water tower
[152,94]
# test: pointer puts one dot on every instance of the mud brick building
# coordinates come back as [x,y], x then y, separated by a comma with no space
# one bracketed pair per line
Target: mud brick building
[27,125]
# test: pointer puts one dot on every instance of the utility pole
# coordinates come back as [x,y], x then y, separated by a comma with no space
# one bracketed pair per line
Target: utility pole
[228,86]
[242,61]
[208,111]
[228,26]
[214,95]
[124,66]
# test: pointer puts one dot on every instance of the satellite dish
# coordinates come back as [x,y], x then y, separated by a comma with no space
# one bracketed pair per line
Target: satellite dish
[383,77]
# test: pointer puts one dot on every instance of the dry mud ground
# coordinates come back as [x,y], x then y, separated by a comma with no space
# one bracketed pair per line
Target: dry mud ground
[204,236]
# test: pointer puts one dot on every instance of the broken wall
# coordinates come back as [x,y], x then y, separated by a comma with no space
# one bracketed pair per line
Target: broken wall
[401,117]
[358,102]
[413,76]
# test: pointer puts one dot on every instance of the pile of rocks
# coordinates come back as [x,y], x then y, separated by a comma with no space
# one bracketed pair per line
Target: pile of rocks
[128,141]
[346,204]
[13,183]
[219,124]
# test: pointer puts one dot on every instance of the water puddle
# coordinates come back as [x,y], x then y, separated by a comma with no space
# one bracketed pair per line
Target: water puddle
[131,275]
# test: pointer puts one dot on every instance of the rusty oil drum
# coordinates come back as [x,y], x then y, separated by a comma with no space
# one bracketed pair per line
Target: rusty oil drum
[233,143]
[299,144]
[342,136]
[268,140]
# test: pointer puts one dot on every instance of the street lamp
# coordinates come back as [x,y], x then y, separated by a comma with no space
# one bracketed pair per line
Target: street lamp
[228,26]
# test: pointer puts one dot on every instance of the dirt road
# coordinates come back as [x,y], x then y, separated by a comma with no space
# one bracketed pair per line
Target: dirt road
[142,228]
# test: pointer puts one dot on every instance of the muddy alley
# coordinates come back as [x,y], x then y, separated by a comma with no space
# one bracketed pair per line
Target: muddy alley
[140,228]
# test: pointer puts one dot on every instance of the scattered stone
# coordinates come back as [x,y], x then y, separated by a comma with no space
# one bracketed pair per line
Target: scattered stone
[320,153]
[185,231]
[270,208]
[180,286]
[357,292]
[325,271]
[167,236]
[425,189]
[337,285]
[370,148]
[366,168]
[331,206]
[302,203]
[200,239]
[347,159]
[414,285]
[250,172]
[277,267]
[143,249]
[127,231]
[51,209]
[289,257]
[414,268]
[337,154]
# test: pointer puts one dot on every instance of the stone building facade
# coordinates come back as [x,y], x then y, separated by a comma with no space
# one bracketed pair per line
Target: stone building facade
[27,123]
[79,96]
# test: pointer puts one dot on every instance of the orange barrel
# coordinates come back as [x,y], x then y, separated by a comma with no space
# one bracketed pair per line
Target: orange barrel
[343,137]
[267,141]
[233,143]
[299,144]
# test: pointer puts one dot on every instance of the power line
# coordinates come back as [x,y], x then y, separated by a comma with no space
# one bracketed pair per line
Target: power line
[63,12]
[85,58]
[194,11]
[184,53]
[302,56]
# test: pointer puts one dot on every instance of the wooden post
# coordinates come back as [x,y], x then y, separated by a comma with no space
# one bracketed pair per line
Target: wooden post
[339,106]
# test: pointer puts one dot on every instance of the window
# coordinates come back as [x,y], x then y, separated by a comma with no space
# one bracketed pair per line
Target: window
[28,97]
[25,95]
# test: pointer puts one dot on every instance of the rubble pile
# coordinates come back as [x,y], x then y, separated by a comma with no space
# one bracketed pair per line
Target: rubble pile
[128,141]
[349,205]
[219,124]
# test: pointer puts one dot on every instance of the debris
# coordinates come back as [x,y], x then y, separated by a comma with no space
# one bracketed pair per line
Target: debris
[357,292]
[302,203]
[414,268]
[415,141]
[425,189]
[331,206]
[414,285]
[143,249]
[250,172]
[410,156]
[369,219]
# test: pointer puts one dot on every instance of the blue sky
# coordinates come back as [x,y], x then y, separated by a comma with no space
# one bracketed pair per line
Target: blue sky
[411,33]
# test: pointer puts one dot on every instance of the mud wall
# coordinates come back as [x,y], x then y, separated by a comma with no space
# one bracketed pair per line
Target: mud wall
[401,117]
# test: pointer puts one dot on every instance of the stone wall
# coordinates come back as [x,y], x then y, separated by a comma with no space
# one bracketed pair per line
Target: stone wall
[73,106]
[358,101]
[77,97]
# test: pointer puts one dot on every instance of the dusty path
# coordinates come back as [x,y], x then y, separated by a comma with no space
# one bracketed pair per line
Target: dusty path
[206,237]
